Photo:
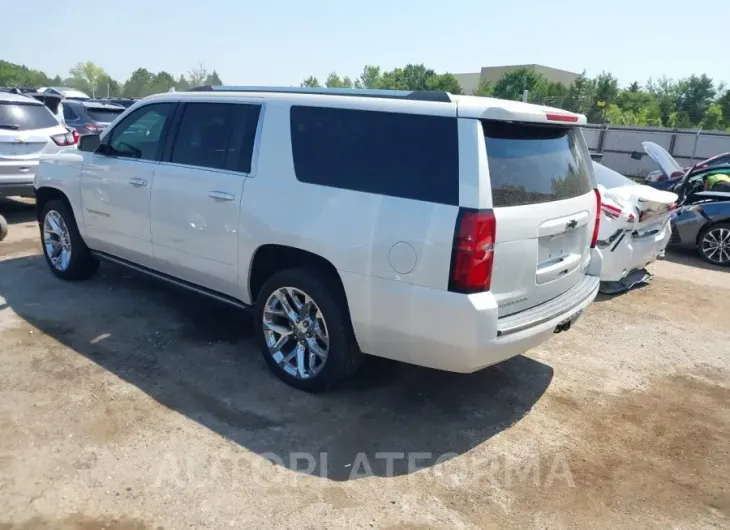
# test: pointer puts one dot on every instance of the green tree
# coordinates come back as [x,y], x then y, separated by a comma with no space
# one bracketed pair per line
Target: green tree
[580,94]
[371,77]
[213,79]
[724,102]
[139,84]
[695,95]
[334,81]
[713,119]
[162,82]
[665,92]
[606,93]
[310,82]
[512,84]
[182,84]
[18,75]
[485,89]
[89,74]
[108,87]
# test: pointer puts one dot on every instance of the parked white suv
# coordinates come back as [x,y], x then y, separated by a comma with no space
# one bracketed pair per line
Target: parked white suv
[452,232]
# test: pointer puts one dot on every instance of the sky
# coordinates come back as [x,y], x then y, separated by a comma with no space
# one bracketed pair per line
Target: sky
[281,42]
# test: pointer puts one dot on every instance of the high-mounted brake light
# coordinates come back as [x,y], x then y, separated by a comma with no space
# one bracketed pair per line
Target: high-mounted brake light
[473,252]
[562,117]
[594,239]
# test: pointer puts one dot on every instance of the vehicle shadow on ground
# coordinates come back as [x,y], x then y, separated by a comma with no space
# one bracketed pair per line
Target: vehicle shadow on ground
[17,211]
[197,357]
[689,257]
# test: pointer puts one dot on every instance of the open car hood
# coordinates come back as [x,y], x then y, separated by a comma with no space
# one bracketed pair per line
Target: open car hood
[663,159]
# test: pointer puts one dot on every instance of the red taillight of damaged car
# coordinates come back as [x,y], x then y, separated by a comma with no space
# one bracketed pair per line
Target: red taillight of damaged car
[594,239]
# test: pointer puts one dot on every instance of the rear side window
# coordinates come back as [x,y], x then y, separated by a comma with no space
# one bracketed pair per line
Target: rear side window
[217,136]
[399,155]
[25,117]
[103,115]
[530,164]
[69,114]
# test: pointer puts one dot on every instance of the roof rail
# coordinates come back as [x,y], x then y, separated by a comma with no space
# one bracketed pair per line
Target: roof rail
[416,95]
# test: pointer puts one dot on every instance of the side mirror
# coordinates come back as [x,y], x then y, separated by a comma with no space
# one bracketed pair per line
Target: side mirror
[89,142]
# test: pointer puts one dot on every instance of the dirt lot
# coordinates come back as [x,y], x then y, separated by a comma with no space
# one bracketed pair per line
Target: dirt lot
[126,405]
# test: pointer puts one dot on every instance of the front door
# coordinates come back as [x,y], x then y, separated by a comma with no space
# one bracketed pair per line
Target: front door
[196,195]
[117,180]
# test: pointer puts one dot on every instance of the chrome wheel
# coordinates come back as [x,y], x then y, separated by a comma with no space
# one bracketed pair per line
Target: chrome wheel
[57,240]
[295,332]
[716,246]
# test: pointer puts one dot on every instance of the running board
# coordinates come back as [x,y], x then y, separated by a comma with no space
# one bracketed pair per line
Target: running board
[175,282]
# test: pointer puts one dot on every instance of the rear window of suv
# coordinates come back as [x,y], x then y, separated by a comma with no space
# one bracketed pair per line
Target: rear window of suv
[530,164]
[103,115]
[25,117]
[411,156]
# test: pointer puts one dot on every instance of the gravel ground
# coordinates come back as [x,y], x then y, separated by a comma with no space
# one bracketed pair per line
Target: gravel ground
[127,405]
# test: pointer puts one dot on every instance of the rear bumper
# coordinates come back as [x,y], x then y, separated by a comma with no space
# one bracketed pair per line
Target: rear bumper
[451,331]
[631,253]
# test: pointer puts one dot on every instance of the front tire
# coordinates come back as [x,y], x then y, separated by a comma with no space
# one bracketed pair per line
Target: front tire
[3,228]
[713,244]
[67,255]
[304,331]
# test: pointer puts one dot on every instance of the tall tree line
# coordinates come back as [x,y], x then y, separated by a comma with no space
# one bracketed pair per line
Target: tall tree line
[93,80]
[696,101]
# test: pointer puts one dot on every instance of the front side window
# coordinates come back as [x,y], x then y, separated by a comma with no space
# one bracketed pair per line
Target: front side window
[217,136]
[142,134]
[410,156]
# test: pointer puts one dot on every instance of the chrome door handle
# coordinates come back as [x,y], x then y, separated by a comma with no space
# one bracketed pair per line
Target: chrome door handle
[137,182]
[220,196]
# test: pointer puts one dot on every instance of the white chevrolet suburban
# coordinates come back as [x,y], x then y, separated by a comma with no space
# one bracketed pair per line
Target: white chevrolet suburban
[452,232]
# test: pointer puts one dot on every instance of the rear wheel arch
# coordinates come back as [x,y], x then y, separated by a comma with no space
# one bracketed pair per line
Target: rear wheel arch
[271,258]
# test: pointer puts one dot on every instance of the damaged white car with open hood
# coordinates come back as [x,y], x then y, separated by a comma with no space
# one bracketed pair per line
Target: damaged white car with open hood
[634,230]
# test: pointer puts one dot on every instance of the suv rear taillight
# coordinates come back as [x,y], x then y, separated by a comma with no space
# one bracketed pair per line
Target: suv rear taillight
[594,239]
[472,256]
[63,140]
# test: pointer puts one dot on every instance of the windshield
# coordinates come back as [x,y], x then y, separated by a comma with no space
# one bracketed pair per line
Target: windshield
[25,117]
[608,178]
[531,164]
[103,115]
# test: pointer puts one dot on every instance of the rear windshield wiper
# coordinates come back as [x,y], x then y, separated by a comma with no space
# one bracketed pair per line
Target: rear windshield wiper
[12,126]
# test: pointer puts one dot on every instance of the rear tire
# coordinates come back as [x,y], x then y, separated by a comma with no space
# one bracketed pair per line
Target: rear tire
[60,235]
[3,228]
[319,310]
[713,244]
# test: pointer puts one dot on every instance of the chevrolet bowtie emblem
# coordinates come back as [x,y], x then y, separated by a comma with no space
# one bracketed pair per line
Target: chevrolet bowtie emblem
[20,140]
[571,224]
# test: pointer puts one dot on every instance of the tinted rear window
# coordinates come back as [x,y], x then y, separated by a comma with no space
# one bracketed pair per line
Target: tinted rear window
[25,117]
[103,115]
[531,164]
[399,155]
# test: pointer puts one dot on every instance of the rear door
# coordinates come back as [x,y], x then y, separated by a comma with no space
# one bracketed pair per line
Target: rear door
[544,202]
[196,196]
